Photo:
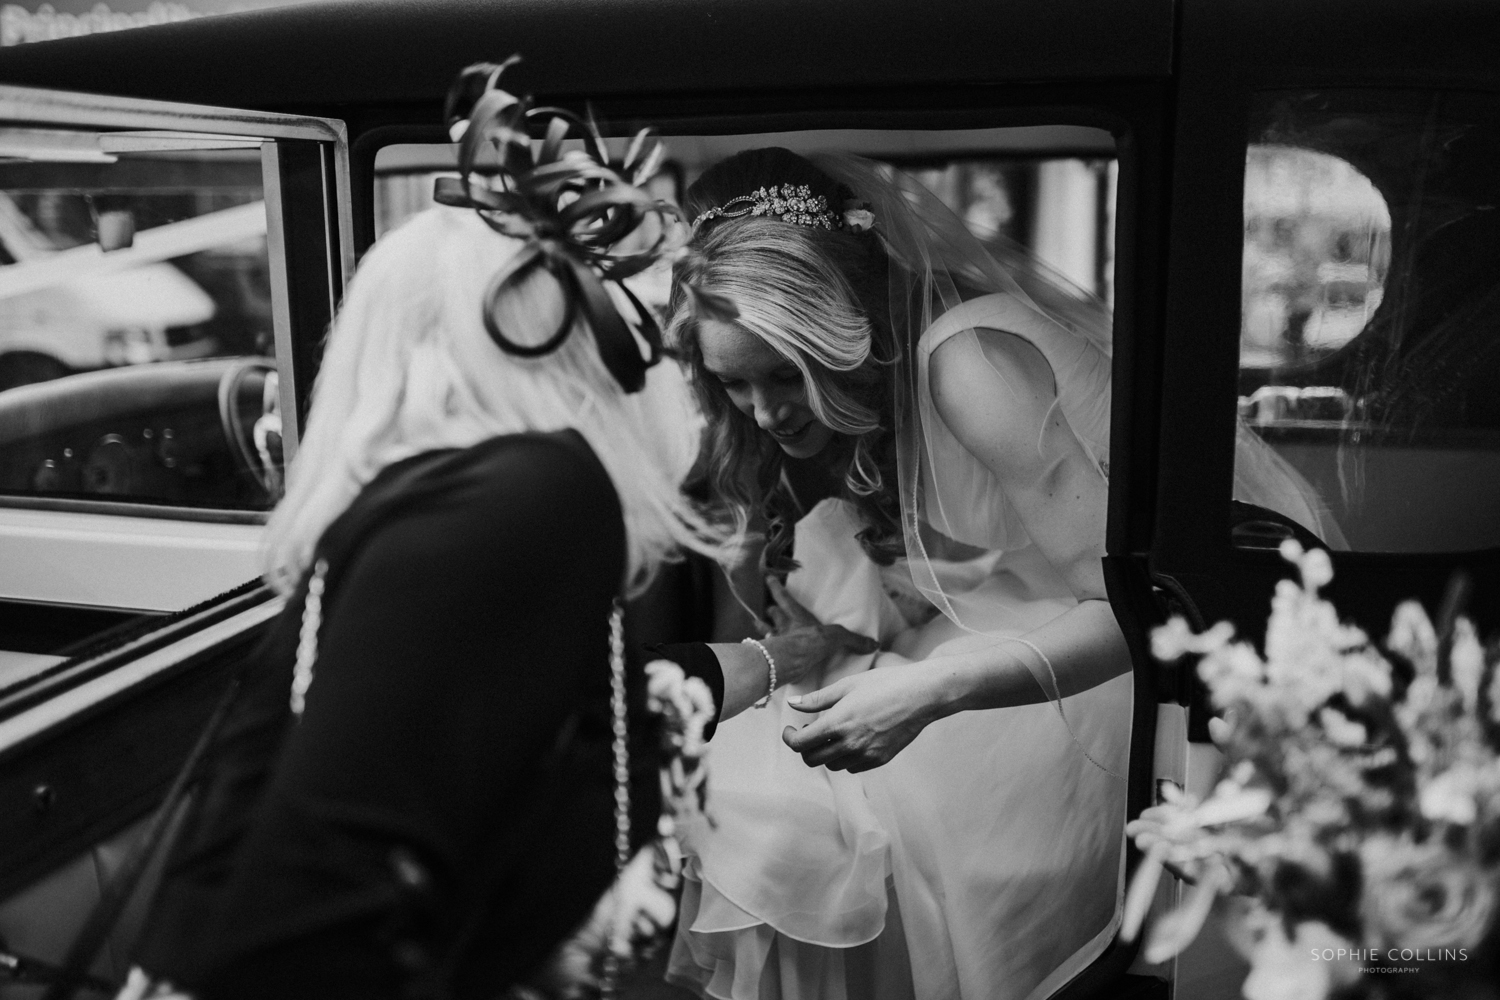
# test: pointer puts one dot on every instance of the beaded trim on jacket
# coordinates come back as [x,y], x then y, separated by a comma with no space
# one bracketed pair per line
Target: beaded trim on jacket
[797,205]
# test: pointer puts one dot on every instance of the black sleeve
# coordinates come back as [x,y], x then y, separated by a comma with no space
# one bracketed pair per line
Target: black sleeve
[697,659]
[452,659]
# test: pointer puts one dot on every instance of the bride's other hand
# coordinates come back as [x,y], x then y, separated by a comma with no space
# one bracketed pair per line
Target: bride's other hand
[800,643]
[868,718]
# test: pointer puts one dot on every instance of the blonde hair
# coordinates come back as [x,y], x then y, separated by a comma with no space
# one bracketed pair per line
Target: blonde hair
[818,299]
[792,296]
[409,368]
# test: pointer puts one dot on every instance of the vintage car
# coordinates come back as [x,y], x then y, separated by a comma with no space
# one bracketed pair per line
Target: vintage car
[1289,203]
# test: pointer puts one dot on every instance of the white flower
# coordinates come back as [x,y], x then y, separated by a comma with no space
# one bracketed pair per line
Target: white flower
[1309,790]
[1422,896]
[1366,675]
[1232,803]
[662,676]
[859,220]
[1296,968]
[1176,930]
[1413,636]
[1175,639]
[1315,566]
[1234,673]
[1341,729]
[1467,659]
[1449,798]
[1176,832]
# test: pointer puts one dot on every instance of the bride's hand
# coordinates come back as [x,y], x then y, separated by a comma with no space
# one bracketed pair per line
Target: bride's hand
[867,718]
[802,645]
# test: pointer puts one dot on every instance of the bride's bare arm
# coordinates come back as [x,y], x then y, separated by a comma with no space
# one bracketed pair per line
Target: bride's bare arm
[996,392]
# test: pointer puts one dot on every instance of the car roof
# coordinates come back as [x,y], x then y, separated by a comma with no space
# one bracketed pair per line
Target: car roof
[354,53]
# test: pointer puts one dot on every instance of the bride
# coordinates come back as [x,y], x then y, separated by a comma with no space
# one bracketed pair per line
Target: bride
[919,431]
[921,441]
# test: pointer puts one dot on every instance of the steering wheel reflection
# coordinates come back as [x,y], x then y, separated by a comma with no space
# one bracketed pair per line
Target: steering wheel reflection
[257,448]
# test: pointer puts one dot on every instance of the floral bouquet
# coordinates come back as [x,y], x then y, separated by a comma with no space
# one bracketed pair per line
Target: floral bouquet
[1355,844]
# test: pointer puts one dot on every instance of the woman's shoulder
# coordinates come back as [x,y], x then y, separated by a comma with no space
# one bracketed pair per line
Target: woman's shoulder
[543,488]
[999,311]
[994,391]
[543,480]
[1003,356]
[536,464]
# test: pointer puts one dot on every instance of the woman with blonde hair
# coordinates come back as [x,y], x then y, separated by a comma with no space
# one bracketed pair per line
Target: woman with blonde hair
[421,788]
[916,425]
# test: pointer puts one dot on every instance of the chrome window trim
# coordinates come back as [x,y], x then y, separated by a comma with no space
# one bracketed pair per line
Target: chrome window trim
[162,512]
[57,107]
[343,182]
[44,716]
[281,298]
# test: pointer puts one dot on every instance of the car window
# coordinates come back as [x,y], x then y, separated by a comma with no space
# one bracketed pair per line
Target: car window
[1369,310]
[166,275]
[137,353]
[1050,188]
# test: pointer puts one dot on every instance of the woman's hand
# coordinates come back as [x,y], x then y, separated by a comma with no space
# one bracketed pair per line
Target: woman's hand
[868,718]
[800,643]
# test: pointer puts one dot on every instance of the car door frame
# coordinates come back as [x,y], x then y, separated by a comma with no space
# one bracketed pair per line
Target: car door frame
[89,744]
[305,169]
[1229,51]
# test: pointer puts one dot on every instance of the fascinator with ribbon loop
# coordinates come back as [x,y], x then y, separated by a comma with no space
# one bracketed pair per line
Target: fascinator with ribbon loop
[573,207]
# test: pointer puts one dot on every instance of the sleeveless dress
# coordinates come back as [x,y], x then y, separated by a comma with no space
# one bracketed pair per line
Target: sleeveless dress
[985,861]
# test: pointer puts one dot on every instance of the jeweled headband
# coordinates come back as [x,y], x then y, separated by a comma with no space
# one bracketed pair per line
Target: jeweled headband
[797,205]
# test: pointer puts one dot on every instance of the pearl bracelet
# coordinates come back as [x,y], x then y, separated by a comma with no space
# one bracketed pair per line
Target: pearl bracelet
[770,662]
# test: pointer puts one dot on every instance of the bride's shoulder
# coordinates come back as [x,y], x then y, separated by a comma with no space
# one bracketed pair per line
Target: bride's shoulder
[993,388]
[1003,347]
[997,311]
[969,370]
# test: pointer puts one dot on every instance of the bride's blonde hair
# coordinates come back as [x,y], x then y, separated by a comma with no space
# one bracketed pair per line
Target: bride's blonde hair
[409,368]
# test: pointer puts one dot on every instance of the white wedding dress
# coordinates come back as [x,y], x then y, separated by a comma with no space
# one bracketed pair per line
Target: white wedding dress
[985,861]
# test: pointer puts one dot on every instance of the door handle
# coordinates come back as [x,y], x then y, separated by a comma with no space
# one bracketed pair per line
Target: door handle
[1260,534]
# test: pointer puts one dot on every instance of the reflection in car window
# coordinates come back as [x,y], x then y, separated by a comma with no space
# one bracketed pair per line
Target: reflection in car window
[136,342]
[1370,319]
[1317,250]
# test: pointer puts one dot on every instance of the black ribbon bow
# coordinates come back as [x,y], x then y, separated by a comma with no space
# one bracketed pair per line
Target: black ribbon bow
[573,207]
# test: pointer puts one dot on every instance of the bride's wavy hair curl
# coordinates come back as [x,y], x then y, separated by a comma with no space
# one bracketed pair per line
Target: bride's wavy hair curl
[818,298]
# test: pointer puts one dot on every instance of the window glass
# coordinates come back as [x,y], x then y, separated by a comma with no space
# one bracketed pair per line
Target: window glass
[136,344]
[1048,188]
[1370,317]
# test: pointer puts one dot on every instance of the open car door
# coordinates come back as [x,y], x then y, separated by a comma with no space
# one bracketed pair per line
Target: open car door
[166,273]
[1330,290]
